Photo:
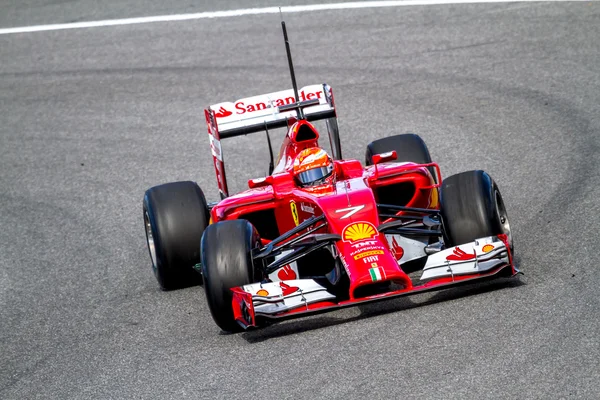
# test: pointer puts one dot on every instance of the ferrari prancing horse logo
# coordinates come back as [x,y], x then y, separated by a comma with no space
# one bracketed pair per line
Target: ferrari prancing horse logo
[295,212]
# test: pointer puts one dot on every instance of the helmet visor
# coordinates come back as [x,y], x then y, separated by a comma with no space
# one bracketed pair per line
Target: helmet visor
[314,176]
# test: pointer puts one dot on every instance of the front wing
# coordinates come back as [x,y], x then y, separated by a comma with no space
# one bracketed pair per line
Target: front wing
[483,258]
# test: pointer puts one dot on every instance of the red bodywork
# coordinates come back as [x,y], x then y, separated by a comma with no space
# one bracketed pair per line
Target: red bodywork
[351,200]
[351,211]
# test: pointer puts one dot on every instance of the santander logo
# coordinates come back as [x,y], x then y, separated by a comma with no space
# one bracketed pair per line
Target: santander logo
[286,273]
[459,255]
[222,113]
[397,249]
[241,107]
[264,102]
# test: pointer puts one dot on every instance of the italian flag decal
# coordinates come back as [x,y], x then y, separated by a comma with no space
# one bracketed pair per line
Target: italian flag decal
[377,274]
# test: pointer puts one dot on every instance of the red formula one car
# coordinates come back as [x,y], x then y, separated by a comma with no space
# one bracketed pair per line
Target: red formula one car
[320,232]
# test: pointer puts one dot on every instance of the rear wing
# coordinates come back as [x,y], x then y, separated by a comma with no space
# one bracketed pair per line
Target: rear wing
[268,111]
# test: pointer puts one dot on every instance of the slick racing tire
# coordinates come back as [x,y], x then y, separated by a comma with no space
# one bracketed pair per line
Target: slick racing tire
[175,216]
[408,146]
[472,208]
[227,263]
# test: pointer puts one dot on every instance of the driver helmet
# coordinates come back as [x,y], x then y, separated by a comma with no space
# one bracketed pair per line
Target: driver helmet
[313,167]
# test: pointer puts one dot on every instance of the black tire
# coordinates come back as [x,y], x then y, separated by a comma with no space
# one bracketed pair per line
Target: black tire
[226,263]
[175,216]
[472,208]
[409,148]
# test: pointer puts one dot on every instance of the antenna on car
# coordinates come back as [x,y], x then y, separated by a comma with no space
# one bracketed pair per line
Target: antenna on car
[291,65]
[271,165]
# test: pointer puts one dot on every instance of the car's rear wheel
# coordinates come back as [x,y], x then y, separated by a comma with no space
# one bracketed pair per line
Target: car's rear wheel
[227,263]
[175,216]
[408,146]
[471,208]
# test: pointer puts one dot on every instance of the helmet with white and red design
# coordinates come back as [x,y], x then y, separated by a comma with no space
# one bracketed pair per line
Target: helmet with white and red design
[313,167]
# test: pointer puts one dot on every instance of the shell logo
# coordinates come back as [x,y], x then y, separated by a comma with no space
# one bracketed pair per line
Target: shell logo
[487,248]
[262,293]
[359,231]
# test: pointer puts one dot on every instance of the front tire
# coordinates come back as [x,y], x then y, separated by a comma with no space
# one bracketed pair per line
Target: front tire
[471,208]
[175,216]
[227,263]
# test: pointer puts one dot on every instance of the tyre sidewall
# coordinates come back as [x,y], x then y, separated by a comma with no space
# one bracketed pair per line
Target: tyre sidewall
[468,207]
[226,251]
[158,247]
[178,215]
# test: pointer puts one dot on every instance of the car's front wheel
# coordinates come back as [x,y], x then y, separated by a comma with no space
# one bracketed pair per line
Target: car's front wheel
[227,263]
[471,208]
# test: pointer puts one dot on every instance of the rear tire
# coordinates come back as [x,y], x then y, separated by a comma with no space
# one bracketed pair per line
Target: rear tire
[175,216]
[472,208]
[408,146]
[227,263]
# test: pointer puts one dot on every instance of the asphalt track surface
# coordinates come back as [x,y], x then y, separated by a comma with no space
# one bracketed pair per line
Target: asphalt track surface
[91,118]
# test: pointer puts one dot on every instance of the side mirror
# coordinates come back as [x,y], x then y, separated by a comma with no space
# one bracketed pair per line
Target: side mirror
[260,182]
[385,157]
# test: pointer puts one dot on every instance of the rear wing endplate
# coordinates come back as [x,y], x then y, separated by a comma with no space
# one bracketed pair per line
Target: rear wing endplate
[268,111]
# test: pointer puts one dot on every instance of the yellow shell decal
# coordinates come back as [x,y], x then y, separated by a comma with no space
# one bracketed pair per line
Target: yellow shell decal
[487,248]
[262,292]
[295,212]
[359,231]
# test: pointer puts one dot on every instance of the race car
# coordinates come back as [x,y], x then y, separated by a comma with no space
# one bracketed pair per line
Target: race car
[321,232]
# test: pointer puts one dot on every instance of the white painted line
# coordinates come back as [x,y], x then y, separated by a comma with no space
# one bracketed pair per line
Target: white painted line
[256,11]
